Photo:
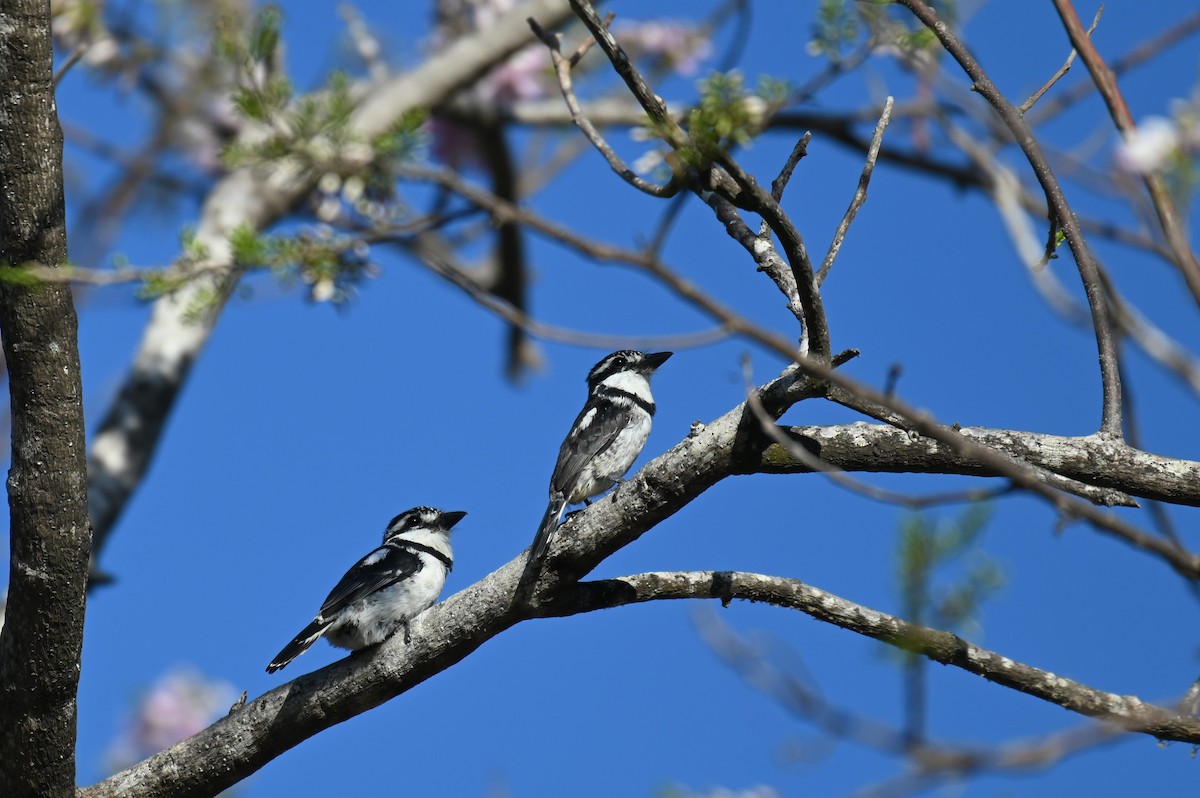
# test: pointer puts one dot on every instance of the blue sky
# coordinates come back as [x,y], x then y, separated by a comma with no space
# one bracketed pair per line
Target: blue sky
[303,430]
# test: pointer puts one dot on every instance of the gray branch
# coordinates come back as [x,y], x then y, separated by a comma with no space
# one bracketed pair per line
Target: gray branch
[1129,712]
[1092,460]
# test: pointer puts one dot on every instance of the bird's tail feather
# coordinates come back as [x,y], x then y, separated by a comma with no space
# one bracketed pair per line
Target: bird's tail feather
[298,646]
[550,522]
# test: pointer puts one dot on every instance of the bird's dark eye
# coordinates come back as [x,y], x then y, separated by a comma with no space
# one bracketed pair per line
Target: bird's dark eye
[619,362]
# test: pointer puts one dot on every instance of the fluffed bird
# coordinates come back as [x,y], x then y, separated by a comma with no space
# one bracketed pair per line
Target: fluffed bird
[385,590]
[607,436]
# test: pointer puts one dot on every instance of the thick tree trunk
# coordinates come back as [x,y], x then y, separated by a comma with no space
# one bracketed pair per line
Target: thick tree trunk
[47,484]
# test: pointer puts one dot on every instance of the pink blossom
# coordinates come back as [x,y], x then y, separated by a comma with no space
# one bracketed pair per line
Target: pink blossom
[522,77]
[682,44]
[179,704]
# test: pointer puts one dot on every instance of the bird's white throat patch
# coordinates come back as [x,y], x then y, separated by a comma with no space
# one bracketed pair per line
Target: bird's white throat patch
[630,382]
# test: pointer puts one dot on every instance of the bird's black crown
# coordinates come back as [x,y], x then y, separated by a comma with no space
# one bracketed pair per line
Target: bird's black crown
[418,517]
[626,360]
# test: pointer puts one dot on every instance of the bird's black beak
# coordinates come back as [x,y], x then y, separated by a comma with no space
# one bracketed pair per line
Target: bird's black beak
[452,517]
[656,359]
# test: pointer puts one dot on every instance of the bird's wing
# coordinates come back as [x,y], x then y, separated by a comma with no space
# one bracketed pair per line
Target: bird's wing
[382,567]
[594,430]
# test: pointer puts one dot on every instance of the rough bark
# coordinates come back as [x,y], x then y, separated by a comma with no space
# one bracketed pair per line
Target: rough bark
[1092,460]
[49,535]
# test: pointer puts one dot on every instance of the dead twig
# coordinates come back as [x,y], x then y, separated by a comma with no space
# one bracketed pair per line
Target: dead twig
[860,194]
[1062,70]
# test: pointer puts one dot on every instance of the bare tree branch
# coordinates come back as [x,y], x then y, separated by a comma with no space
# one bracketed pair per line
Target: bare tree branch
[1061,213]
[1062,70]
[798,450]
[562,68]
[1139,55]
[1128,712]
[860,194]
[928,761]
[1113,469]
[746,193]
[1164,206]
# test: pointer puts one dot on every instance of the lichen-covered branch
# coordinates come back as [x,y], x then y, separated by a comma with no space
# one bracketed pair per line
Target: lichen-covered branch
[1091,460]
[1129,712]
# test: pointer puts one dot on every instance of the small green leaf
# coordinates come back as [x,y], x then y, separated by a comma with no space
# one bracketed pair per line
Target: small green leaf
[264,37]
[249,249]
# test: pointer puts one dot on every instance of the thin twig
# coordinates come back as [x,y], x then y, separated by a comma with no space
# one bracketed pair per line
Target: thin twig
[1061,211]
[1139,55]
[838,476]
[562,68]
[860,194]
[744,193]
[646,260]
[71,61]
[787,684]
[588,43]
[1062,70]
[438,256]
[785,174]
[1164,207]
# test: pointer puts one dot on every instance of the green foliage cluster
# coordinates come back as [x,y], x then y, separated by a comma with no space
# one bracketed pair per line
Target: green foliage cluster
[918,38]
[841,25]
[837,26]
[311,129]
[331,265]
[729,115]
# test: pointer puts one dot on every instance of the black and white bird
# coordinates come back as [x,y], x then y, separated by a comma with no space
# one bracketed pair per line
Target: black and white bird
[607,436]
[383,591]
